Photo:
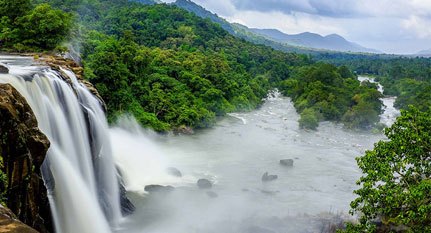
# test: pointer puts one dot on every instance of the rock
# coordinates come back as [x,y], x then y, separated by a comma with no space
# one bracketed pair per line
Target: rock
[212,194]
[204,184]
[287,162]
[23,147]
[155,188]
[184,130]
[174,172]
[4,69]
[126,205]
[266,177]
[9,223]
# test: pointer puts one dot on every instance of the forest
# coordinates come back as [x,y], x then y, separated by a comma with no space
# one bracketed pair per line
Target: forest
[170,68]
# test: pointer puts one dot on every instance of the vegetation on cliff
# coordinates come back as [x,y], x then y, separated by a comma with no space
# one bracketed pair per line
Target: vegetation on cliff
[24,27]
[396,185]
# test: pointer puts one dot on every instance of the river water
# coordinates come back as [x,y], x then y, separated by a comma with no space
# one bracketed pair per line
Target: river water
[234,155]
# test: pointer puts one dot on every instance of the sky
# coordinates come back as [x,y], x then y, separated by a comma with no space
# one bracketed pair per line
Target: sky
[391,26]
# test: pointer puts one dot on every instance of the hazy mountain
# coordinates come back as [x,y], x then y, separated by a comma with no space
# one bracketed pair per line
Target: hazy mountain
[302,43]
[424,53]
[313,40]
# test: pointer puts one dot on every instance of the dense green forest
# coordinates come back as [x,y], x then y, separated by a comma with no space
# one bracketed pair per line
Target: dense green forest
[408,78]
[171,68]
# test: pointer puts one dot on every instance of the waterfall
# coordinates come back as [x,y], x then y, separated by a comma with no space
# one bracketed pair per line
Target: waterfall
[78,171]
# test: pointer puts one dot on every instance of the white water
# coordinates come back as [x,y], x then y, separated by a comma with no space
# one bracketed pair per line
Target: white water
[79,171]
[234,155]
[390,113]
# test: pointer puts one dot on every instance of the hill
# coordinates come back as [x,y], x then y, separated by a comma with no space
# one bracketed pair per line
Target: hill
[312,40]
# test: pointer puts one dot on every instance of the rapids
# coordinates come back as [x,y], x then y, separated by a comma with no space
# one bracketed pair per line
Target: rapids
[234,155]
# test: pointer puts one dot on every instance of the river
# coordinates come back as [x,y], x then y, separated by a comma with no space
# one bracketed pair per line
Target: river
[234,155]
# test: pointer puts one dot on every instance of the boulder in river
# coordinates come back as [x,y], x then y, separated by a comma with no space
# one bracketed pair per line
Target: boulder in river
[266,177]
[3,69]
[204,184]
[287,162]
[155,188]
[174,172]
[212,194]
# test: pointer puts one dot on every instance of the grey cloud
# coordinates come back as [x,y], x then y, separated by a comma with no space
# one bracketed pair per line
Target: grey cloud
[331,8]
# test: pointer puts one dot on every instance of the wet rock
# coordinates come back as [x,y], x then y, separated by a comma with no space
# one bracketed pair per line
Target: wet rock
[287,162]
[155,188]
[23,149]
[184,130]
[204,184]
[212,194]
[266,177]
[3,69]
[10,224]
[174,172]
[126,205]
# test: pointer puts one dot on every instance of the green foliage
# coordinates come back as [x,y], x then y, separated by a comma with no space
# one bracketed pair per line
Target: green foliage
[25,29]
[333,96]
[170,68]
[396,185]
[13,9]
[408,78]
[309,119]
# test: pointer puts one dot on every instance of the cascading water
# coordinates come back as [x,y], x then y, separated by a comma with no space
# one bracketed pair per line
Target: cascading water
[79,171]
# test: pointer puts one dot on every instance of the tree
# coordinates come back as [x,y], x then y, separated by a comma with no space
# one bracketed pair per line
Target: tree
[396,185]
[14,8]
[44,27]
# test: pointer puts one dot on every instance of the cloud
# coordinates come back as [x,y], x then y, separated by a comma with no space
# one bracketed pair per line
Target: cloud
[291,23]
[221,7]
[418,25]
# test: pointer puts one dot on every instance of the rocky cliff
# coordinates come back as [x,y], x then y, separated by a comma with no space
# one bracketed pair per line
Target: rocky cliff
[23,148]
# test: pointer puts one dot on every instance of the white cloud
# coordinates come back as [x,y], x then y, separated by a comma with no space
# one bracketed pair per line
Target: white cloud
[289,23]
[418,25]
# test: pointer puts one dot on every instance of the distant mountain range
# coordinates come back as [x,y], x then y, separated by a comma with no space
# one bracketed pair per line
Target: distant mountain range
[424,53]
[313,40]
[304,42]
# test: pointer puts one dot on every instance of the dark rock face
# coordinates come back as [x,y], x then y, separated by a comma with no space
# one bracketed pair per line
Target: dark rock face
[155,188]
[127,206]
[174,172]
[3,69]
[287,162]
[23,148]
[266,177]
[9,223]
[204,184]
